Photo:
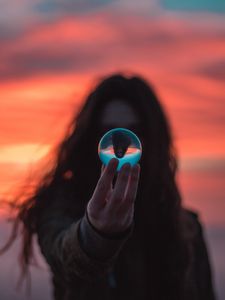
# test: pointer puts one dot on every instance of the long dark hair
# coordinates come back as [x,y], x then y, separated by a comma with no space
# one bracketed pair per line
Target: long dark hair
[158,211]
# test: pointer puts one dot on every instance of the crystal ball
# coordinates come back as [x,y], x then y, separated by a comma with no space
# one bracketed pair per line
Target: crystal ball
[122,144]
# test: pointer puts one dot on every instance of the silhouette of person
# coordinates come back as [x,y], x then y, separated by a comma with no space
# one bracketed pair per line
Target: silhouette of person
[126,235]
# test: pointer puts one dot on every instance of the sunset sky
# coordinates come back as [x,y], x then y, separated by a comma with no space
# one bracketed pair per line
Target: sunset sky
[53,53]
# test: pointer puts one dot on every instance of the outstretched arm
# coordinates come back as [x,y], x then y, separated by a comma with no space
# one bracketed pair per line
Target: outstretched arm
[87,247]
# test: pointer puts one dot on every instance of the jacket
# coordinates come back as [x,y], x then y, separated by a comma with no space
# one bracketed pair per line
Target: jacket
[82,260]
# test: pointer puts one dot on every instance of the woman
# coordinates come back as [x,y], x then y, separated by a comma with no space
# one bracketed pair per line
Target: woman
[117,236]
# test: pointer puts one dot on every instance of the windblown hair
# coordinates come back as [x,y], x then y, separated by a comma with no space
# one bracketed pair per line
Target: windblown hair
[158,211]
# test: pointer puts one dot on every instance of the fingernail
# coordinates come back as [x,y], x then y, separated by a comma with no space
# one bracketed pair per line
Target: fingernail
[136,167]
[126,166]
[114,161]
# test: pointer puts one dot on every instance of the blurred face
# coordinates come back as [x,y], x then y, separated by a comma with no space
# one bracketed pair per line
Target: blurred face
[118,113]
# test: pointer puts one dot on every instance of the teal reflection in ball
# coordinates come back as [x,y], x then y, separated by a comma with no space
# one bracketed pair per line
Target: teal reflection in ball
[122,144]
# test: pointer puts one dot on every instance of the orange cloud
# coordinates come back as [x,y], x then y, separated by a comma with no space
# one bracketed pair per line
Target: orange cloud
[47,71]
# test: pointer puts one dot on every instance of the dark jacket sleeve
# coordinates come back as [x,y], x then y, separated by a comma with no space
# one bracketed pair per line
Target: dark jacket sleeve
[73,248]
[202,266]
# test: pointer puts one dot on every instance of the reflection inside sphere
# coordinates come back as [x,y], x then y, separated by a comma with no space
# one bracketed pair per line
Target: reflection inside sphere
[122,144]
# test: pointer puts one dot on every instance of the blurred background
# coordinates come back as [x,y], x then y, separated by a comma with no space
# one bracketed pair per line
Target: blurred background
[53,52]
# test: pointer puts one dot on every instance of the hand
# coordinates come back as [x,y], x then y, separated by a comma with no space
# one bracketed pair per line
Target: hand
[111,210]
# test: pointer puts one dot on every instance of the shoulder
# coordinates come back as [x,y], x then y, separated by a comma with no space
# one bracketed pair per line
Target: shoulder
[194,235]
[191,215]
[191,223]
[199,269]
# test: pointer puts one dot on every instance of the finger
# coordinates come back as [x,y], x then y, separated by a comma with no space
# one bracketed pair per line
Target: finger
[132,186]
[102,169]
[103,186]
[120,185]
[110,190]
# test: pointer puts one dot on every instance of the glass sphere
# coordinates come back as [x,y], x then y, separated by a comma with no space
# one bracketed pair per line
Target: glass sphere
[122,144]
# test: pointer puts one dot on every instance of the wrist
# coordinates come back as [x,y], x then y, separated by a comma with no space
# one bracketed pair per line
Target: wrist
[116,235]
